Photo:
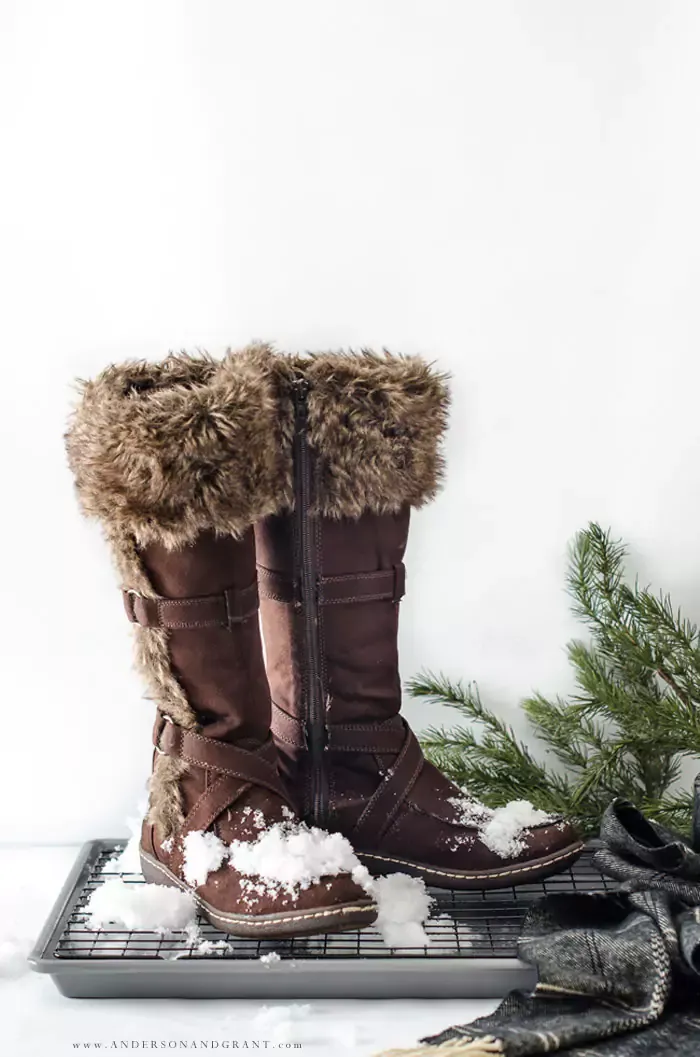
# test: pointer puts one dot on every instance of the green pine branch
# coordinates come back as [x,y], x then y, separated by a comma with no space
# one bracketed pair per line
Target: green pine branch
[634,716]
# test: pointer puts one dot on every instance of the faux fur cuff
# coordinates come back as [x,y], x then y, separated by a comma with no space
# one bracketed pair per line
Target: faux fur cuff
[376,422]
[161,451]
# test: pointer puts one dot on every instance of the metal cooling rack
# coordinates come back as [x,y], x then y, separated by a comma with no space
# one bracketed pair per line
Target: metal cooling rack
[473,948]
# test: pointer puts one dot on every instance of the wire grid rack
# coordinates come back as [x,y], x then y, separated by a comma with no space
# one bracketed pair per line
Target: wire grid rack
[472,950]
[466,925]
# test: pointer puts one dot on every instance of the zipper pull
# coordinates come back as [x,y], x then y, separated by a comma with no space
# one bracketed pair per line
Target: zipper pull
[301,389]
[301,407]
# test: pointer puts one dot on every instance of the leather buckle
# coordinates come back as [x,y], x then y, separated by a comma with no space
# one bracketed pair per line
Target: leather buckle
[129,595]
[399,581]
[156,740]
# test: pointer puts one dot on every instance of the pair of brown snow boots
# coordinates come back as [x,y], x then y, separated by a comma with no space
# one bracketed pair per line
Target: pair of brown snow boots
[280,487]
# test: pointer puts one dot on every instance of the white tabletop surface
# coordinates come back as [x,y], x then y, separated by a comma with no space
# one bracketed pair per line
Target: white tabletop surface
[36,1021]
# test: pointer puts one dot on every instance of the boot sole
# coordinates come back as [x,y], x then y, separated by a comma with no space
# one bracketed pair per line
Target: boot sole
[470,880]
[339,918]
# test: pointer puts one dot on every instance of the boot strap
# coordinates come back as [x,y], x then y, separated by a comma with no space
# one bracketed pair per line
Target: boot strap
[386,738]
[289,729]
[229,761]
[216,798]
[206,611]
[383,807]
[384,585]
[392,738]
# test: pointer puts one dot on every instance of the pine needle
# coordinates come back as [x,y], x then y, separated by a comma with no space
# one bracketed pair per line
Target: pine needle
[634,717]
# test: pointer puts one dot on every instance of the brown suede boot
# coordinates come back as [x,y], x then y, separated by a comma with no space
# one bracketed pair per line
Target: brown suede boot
[365,433]
[177,460]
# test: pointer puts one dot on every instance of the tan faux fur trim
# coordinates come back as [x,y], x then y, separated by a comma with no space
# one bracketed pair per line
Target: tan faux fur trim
[161,451]
[376,422]
[165,796]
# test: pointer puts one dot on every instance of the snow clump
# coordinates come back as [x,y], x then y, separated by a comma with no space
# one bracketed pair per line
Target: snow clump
[501,829]
[155,908]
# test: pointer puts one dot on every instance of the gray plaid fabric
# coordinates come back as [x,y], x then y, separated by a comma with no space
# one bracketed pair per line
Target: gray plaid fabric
[619,973]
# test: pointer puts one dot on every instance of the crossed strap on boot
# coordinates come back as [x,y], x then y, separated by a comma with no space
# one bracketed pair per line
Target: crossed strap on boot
[394,737]
[235,769]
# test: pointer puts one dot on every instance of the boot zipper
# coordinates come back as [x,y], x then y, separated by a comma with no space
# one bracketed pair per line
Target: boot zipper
[308,600]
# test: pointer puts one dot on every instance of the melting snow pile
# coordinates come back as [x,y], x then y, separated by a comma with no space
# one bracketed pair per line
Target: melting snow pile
[404,905]
[501,829]
[152,907]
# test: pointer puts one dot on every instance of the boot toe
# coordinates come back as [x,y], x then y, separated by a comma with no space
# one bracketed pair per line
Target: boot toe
[540,850]
[249,906]
[547,839]
[252,907]
[449,854]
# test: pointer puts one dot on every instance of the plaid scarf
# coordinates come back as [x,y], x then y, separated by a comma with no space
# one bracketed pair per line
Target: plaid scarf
[619,973]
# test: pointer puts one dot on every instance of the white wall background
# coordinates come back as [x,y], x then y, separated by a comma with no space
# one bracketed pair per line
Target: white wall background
[509,187]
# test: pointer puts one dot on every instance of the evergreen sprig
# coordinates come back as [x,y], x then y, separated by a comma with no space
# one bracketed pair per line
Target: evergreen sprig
[625,731]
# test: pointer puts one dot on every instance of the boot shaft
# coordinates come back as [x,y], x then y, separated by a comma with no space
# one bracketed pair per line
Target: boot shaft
[218,662]
[359,573]
[364,434]
[176,460]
